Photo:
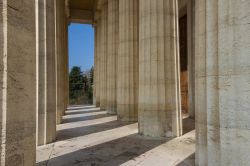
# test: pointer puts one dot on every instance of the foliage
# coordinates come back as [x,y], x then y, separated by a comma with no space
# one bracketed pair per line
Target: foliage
[80,86]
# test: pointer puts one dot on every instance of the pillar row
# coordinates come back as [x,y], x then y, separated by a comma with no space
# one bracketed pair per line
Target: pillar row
[127,63]
[112,52]
[222,64]
[159,93]
[18,82]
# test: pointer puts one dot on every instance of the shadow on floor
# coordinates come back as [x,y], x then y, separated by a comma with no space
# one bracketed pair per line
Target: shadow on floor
[189,161]
[188,125]
[83,111]
[84,118]
[80,107]
[111,153]
[85,130]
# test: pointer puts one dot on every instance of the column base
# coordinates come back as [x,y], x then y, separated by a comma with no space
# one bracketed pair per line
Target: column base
[111,111]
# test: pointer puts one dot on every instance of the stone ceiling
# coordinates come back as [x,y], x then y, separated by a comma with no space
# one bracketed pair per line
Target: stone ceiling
[81,4]
[81,11]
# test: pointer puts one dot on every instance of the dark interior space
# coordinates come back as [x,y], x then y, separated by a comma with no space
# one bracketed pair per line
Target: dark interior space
[183,63]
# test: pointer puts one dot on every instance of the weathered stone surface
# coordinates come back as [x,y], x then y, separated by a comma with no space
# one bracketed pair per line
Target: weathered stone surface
[103,54]
[222,82]
[97,71]
[41,82]
[127,77]
[50,72]
[46,73]
[159,102]
[113,29]
[18,82]
[61,60]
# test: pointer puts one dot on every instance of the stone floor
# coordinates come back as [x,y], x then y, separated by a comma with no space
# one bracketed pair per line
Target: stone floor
[90,137]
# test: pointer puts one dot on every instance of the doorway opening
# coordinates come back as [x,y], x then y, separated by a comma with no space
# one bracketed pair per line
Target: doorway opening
[187,72]
[81,62]
[184,64]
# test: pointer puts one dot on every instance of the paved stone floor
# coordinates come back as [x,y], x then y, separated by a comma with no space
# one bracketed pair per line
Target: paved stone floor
[90,137]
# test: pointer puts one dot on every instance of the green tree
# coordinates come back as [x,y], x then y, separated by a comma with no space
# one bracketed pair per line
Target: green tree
[90,82]
[75,84]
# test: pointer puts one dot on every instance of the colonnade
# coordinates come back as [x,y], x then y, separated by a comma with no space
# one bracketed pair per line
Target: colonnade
[148,80]
[136,73]
[52,68]
[138,64]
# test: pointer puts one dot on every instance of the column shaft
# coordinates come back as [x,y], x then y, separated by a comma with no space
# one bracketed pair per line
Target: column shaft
[103,55]
[50,73]
[66,60]
[222,64]
[60,60]
[46,73]
[113,29]
[191,57]
[95,67]
[18,82]
[159,93]
[127,68]
[97,62]
[41,121]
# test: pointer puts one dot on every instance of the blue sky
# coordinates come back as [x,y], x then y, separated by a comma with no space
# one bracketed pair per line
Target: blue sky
[81,46]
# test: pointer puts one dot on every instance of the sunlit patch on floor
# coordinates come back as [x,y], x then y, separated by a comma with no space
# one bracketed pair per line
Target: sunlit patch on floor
[93,141]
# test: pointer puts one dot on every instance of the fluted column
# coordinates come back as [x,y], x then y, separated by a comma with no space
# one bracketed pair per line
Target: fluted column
[65,61]
[103,55]
[222,64]
[46,73]
[97,71]
[159,103]
[41,83]
[191,56]
[127,68]
[113,29]
[51,72]
[95,66]
[60,64]
[18,82]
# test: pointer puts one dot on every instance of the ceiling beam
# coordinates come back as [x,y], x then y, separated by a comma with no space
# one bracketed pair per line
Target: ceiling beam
[81,16]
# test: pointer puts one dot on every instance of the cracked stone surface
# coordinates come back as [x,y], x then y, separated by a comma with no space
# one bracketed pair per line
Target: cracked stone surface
[90,137]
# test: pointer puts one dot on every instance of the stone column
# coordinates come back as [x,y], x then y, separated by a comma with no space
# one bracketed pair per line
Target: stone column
[50,73]
[41,82]
[95,66]
[46,73]
[18,82]
[222,64]
[103,55]
[97,60]
[3,35]
[58,63]
[191,56]
[113,29]
[63,49]
[67,15]
[59,59]
[127,68]
[159,92]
